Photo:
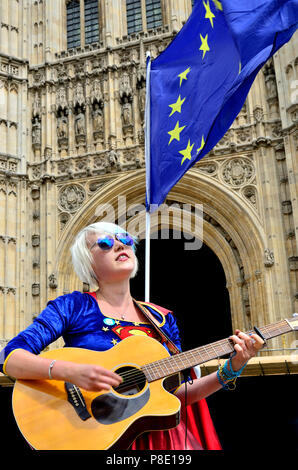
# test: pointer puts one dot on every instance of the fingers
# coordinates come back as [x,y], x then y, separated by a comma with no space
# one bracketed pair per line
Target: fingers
[246,346]
[251,342]
[104,378]
[95,378]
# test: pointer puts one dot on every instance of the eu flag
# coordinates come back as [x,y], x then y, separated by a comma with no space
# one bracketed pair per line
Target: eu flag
[199,84]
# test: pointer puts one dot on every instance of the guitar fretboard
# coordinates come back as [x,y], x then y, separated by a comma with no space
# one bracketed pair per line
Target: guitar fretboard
[173,364]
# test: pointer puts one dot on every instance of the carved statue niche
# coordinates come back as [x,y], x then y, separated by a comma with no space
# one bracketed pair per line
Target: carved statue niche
[79,108]
[78,97]
[271,88]
[36,133]
[61,100]
[62,128]
[97,111]
[125,93]
[113,161]
[80,124]
[36,112]
[98,122]
[141,86]
[36,123]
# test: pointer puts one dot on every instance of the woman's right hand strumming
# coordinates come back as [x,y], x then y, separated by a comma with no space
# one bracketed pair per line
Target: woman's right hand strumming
[27,366]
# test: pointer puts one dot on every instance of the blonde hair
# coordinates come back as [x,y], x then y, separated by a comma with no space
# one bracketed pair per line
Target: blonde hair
[82,257]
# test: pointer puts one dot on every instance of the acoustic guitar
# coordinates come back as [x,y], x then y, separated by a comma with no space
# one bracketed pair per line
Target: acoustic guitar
[53,415]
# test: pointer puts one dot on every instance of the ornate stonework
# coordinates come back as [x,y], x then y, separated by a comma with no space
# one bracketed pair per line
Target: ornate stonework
[72,138]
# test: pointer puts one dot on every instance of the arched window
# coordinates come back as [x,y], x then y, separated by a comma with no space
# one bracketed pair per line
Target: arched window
[134,16]
[82,22]
[153,14]
[73,24]
[143,15]
[91,21]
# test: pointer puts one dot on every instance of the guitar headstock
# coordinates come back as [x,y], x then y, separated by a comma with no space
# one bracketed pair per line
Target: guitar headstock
[293,321]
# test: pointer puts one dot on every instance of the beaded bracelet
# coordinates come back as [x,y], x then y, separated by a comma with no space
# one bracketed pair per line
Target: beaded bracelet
[227,377]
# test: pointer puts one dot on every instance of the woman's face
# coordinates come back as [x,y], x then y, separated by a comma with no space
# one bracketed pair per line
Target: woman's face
[115,264]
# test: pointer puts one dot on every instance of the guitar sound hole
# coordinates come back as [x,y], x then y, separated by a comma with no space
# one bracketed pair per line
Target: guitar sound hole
[134,380]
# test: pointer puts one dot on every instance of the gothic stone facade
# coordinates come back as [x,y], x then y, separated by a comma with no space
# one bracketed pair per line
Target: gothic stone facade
[72,138]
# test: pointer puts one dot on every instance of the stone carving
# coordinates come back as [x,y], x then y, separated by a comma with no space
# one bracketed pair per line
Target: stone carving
[113,160]
[38,77]
[242,118]
[96,93]
[98,123]
[62,128]
[286,207]
[72,197]
[36,133]
[269,258]
[80,125]
[35,240]
[64,218]
[97,101]
[293,263]
[294,113]
[61,101]
[53,281]
[61,72]
[258,113]
[35,289]
[269,73]
[35,191]
[271,88]
[224,141]
[250,194]
[126,112]
[125,93]
[209,168]
[36,105]
[36,122]
[141,84]
[243,135]
[78,96]
[237,171]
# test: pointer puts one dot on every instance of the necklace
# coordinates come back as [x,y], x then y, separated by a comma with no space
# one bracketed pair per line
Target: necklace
[122,316]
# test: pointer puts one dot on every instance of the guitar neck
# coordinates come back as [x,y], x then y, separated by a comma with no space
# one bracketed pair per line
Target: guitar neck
[185,360]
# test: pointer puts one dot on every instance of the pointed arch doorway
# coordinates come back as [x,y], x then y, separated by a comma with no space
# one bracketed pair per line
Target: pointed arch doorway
[192,284]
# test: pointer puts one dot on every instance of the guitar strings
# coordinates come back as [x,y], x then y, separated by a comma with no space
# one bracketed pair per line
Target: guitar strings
[136,377]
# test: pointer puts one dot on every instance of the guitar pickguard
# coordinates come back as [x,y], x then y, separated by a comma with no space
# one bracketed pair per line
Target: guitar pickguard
[110,408]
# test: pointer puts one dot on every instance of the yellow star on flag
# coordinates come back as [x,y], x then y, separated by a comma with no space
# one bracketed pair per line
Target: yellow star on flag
[183,75]
[209,15]
[186,152]
[218,5]
[204,46]
[202,145]
[105,328]
[114,341]
[177,106]
[175,133]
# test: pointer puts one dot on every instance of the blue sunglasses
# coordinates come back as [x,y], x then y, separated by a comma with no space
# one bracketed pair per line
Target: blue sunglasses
[108,241]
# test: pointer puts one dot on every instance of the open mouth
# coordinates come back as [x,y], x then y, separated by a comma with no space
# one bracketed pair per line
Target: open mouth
[122,257]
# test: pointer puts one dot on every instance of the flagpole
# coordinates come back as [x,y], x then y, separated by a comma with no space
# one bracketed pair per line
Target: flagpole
[147,161]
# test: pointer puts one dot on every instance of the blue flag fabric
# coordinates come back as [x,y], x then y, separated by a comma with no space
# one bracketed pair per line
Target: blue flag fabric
[199,83]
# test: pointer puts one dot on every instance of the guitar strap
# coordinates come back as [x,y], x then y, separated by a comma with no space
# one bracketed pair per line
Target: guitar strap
[172,347]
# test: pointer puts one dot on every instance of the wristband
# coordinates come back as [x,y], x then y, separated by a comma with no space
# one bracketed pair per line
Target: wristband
[50,369]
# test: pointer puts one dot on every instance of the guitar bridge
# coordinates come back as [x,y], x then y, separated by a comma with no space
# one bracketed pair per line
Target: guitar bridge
[76,399]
